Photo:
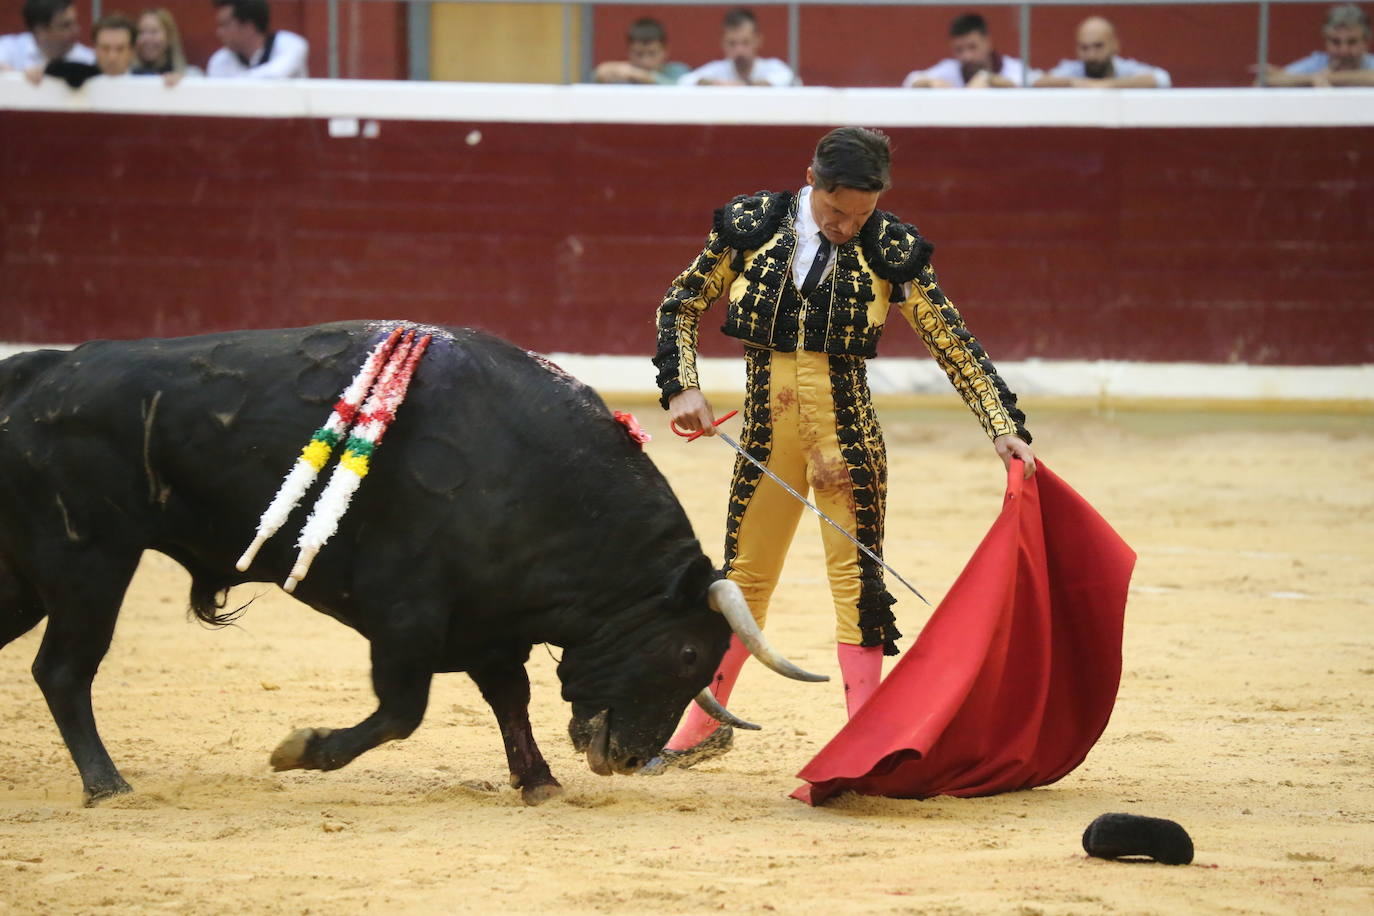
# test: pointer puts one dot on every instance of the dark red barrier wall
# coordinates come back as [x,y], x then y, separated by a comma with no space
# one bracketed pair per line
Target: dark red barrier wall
[1175,244]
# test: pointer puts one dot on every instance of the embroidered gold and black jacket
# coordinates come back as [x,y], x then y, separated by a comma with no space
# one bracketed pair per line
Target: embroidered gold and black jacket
[748,256]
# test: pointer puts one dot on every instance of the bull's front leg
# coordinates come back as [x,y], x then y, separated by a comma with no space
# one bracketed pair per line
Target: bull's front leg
[401,673]
[506,688]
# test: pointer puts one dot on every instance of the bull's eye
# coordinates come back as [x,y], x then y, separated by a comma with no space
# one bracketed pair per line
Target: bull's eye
[689,656]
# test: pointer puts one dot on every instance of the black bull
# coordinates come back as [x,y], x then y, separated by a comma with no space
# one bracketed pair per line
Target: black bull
[505,507]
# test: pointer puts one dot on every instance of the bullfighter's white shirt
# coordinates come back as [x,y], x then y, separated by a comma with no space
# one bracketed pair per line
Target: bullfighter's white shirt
[20,52]
[771,70]
[287,60]
[809,242]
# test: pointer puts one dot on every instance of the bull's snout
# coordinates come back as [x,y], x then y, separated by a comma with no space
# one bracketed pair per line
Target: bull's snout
[605,756]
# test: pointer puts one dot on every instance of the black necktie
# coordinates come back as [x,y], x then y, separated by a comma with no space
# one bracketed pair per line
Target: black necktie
[813,276]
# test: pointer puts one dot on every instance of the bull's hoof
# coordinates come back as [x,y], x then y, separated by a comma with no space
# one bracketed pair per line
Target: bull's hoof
[96,794]
[537,795]
[297,752]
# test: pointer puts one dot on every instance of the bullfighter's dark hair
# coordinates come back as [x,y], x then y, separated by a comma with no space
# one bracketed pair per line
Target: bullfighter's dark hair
[738,17]
[967,24]
[255,11]
[42,12]
[853,157]
[115,21]
[646,30]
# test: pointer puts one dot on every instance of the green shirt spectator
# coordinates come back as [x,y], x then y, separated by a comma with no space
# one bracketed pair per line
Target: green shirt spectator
[647,61]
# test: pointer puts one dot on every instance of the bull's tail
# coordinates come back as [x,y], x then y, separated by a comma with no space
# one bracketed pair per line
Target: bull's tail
[210,597]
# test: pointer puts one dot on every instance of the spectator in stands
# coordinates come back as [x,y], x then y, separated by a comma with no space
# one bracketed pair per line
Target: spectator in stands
[976,64]
[114,54]
[252,50]
[1346,60]
[1099,67]
[647,61]
[52,29]
[742,65]
[158,48]
[114,44]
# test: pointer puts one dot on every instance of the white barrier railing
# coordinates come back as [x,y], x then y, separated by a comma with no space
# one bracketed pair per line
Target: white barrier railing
[811,105]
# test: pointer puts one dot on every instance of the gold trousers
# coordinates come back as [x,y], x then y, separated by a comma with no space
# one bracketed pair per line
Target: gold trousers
[809,418]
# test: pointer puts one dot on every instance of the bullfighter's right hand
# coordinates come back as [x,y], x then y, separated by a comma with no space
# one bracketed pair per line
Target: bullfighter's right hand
[690,410]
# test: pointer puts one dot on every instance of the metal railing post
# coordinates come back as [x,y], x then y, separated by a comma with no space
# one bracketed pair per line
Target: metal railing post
[567,43]
[1262,65]
[588,42]
[794,39]
[333,39]
[417,38]
[1025,44]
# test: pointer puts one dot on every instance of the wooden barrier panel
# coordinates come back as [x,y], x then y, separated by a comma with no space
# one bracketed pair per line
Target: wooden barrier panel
[1160,244]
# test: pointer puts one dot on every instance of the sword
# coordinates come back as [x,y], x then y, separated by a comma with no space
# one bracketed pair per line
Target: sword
[739,450]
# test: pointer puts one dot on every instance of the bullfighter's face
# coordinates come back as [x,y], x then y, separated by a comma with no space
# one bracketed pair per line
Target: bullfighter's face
[628,689]
[840,213]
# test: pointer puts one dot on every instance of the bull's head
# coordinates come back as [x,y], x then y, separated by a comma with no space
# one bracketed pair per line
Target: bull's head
[629,691]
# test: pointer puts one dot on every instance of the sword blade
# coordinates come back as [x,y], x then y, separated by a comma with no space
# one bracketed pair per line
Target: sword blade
[739,449]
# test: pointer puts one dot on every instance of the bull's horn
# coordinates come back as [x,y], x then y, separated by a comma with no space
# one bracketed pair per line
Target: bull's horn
[708,702]
[725,597]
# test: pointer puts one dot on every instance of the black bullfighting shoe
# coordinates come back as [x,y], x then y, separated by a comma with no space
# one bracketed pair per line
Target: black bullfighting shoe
[1117,836]
[713,745]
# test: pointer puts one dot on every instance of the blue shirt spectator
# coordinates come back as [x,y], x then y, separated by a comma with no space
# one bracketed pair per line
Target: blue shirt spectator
[1346,60]
[1318,61]
[1100,66]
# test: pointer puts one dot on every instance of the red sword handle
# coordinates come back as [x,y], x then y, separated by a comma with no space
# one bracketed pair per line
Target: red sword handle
[701,432]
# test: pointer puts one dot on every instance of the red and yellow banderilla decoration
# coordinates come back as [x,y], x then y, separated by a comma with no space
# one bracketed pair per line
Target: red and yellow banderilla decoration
[386,374]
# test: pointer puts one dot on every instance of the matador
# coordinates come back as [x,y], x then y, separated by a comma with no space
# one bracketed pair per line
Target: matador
[810,278]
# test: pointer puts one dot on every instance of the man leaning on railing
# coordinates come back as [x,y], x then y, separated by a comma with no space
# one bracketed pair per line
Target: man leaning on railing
[1346,60]
[252,50]
[974,62]
[1099,66]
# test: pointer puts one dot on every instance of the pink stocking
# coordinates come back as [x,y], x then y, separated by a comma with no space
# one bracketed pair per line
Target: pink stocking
[862,668]
[698,724]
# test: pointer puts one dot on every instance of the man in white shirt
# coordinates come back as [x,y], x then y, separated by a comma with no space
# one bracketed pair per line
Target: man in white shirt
[251,49]
[976,64]
[1099,67]
[52,29]
[742,65]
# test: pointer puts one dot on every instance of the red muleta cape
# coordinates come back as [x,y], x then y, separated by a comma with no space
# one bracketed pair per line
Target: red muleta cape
[1014,678]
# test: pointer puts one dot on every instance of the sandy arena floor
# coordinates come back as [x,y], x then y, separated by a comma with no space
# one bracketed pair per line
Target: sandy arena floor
[1246,713]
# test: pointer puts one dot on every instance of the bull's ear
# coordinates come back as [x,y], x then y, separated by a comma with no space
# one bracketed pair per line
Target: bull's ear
[693,581]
